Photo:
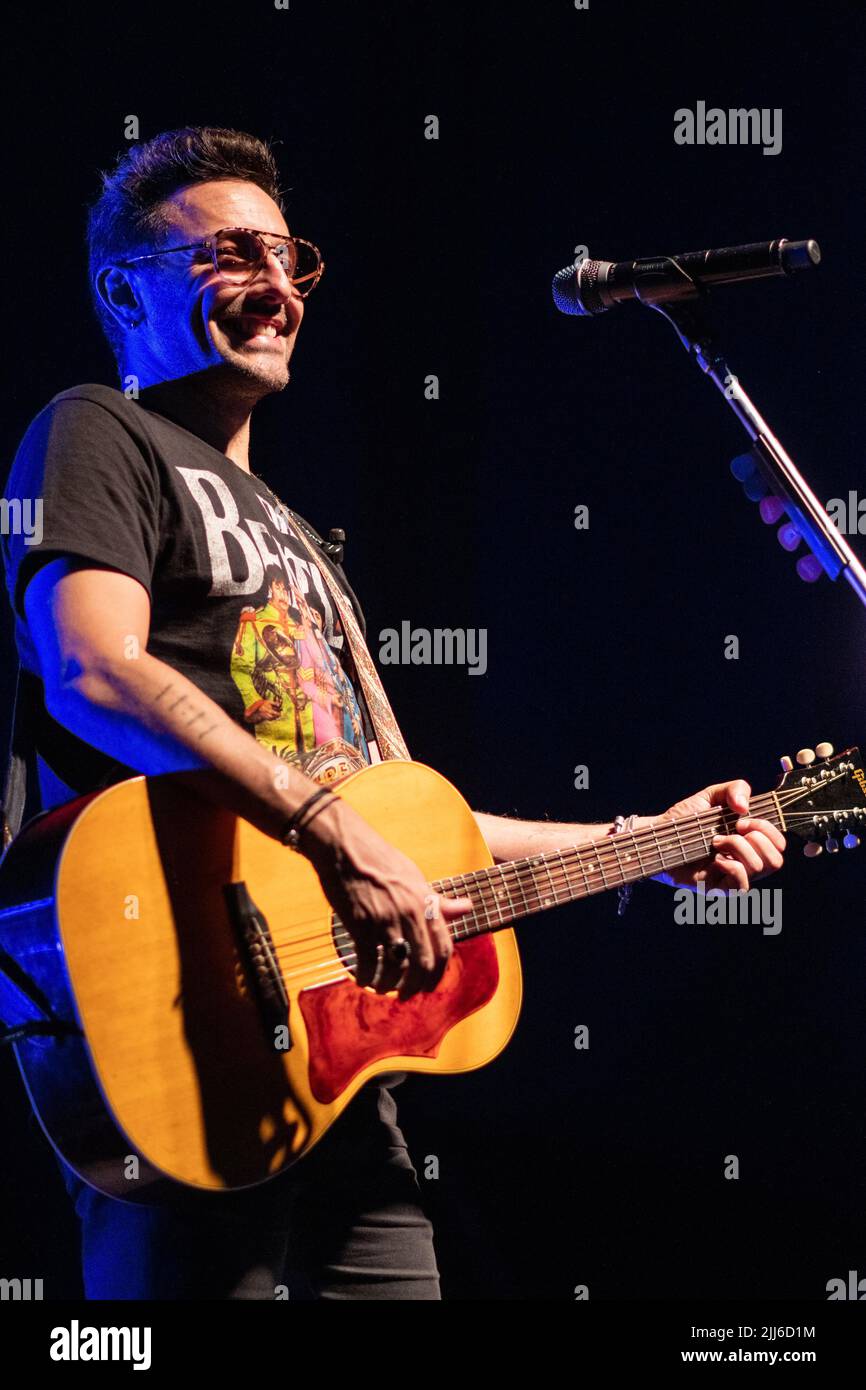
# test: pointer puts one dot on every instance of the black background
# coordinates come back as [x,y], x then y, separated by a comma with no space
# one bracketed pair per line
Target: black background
[605,647]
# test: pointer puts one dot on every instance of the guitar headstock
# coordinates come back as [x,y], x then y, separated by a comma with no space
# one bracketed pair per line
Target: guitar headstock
[823,798]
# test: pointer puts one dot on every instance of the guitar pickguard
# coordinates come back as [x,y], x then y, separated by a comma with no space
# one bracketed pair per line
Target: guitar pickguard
[350,1028]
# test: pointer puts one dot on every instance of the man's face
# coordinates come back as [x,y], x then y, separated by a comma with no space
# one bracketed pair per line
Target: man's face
[193,319]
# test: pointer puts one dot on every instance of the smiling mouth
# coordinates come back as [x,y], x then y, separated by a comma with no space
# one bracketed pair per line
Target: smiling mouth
[254,329]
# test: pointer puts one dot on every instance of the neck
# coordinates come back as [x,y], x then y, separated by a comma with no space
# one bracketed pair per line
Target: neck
[202,405]
[521,887]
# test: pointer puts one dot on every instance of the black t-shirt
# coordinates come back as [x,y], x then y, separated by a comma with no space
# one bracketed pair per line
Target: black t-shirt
[237,604]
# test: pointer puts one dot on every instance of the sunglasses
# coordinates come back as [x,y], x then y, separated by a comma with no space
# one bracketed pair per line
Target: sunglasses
[238,254]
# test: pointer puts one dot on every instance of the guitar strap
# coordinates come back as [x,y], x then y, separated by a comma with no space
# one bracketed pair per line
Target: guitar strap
[389,739]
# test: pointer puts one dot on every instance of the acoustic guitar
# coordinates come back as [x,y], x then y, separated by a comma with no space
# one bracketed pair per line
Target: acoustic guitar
[201,1026]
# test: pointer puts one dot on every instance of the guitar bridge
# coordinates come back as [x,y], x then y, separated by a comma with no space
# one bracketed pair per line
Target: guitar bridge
[259,959]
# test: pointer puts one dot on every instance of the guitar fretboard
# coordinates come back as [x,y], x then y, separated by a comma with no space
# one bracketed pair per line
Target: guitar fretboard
[520,887]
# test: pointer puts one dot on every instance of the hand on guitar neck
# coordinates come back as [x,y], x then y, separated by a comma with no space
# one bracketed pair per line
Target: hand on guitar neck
[752,848]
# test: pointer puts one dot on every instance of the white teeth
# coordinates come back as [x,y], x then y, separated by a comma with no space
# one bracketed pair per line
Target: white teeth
[260,330]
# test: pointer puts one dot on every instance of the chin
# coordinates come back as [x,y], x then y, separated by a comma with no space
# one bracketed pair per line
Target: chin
[269,375]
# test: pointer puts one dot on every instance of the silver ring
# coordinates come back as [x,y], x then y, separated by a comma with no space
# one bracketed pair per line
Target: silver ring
[397,951]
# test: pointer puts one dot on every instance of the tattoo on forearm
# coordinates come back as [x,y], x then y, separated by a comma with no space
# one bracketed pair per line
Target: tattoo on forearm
[195,717]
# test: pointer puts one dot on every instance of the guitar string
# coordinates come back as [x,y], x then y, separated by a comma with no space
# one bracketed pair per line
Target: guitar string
[522,873]
[340,964]
[604,850]
[488,913]
[525,871]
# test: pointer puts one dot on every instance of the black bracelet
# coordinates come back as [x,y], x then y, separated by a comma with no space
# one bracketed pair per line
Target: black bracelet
[294,825]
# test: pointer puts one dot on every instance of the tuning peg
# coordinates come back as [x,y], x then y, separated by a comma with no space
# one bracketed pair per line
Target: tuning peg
[831,845]
[787,763]
[812,849]
[824,750]
[851,841]
[805,757]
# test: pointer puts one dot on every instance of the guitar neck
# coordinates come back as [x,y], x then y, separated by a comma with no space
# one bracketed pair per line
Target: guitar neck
[521,887]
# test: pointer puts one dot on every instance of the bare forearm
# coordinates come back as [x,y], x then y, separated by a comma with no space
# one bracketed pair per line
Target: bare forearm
[155,720]
[516,839]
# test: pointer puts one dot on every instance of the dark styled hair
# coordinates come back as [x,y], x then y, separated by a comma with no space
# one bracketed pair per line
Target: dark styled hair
[126,219]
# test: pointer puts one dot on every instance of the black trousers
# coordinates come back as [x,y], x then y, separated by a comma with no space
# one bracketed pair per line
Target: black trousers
[344,1223]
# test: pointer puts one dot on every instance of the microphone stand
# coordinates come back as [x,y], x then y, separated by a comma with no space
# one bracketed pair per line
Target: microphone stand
[690,320]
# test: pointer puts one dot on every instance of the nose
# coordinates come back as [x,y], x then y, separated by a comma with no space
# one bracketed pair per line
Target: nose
[272,273]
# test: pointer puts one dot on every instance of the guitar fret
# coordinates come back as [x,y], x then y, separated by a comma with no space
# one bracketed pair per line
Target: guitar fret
[582,866]
[659,851]
[682,851]
[478,915]
[636,846]
[503,891]
[471,924]
[550,879]
[600,864]
[526,906]
[617,847]
[707,832]
[486,888]
[569,892]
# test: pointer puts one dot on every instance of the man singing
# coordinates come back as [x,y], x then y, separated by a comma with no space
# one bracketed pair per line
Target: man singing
[162,624]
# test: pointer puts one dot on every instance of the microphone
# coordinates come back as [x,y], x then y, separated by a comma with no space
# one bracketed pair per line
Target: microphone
[592,287]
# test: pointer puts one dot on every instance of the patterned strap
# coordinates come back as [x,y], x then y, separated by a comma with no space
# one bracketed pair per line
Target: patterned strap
[388,737]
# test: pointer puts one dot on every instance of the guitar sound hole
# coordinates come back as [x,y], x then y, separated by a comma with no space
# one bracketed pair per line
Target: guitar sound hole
[345,948]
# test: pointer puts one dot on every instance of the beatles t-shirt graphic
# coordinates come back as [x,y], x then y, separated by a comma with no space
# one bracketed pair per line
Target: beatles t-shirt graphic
[296,697]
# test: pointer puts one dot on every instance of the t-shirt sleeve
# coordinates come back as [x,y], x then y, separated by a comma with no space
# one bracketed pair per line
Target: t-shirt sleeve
[80,485]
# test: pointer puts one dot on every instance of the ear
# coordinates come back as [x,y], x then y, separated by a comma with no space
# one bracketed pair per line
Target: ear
[117,292]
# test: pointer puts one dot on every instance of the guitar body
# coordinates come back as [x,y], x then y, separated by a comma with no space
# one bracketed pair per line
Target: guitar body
[182,1077]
